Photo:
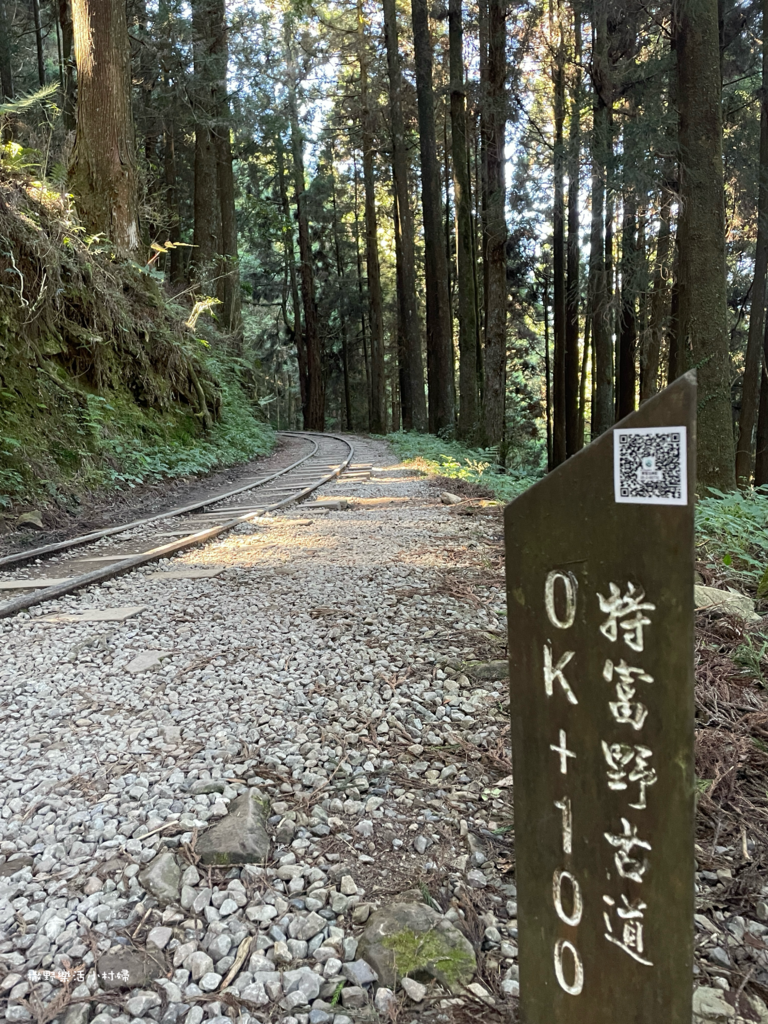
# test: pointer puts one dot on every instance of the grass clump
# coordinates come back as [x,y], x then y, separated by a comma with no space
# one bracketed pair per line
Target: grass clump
[732,534]
[474,465]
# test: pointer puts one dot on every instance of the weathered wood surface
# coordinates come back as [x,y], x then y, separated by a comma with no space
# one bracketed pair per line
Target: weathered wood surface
[600,605]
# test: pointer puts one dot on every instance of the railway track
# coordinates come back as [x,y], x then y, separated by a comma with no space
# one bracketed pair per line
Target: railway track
[53,570]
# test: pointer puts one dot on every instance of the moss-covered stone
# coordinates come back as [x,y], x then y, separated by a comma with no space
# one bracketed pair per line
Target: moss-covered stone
[412,940]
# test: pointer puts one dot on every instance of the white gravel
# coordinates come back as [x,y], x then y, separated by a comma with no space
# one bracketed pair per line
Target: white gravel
[322,666]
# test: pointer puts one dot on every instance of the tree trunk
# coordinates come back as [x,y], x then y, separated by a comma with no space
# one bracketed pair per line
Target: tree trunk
[228,289]
[412,398]
[378,391]
[439,349]
[340,281]
[702,319]
[38,42]
[67,64]
[314,413]
[625,403]
[761,446]
[6,69]
[290,261]
[465,250]
[495,106]
[361,293]
[175,265]
[649,360]
[602,413]
[573,435]
[559,450]
[102,171]
[752,364]
[207,210]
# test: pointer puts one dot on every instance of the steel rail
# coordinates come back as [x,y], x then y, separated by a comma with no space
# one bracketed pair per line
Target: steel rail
[191,540]
[30,555]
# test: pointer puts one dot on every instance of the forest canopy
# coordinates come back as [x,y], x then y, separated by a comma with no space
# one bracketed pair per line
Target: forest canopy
[504,224]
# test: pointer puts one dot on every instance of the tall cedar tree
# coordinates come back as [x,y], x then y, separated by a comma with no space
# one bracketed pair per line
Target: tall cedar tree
[378,424]
[314,407]
[439,344]
[557,30]
[753,364]
[413,401]
[702,315]
[468,397]
[102,172]
[494,101]
[574,430]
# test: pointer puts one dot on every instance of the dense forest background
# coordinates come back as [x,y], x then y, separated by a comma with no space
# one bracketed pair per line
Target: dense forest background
[504,224]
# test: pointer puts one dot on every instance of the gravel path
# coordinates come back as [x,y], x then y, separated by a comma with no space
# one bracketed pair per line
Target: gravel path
[323,667]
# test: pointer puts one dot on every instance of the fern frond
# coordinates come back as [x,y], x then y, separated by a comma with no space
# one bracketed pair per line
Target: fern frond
[29,99]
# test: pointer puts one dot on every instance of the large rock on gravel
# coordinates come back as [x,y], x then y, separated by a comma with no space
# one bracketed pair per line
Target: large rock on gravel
[709,1004]
[412,940]
[241,836]
[131,969]
[162,878]
[725,601]
[487,671]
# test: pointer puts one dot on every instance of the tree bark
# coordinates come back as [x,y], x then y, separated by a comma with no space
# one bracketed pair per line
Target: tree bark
[102,171]
[175,265]
[573,435]
[628,312]
[6,68]
[38,42]
[465,249]
[67,64]
[228,289]
[752,363]
[559,450]
[290,260]
[413,400]
[439,348]
[702,319]
[340,281]
[314,413]
[495,109]
[651,351]
[378,390]
[602,413]
[207,209]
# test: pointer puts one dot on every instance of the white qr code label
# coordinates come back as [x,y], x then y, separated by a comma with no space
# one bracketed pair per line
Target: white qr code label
[650,466]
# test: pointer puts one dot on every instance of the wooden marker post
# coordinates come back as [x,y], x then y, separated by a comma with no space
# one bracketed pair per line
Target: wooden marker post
[599,560]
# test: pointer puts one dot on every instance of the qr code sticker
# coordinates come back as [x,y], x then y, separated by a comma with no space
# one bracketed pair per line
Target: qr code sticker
[650,466]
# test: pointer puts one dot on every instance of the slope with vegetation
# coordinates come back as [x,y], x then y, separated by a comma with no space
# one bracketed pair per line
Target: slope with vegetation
[102,381]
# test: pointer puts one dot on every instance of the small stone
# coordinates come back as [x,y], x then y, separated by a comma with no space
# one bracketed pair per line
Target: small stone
[353,997]
[307,928]
[420,844]
[476,879]
[761,909]
[709,1004]
[413,989]
[359,973]
[147,661]
[332,967]
[385,1001]
[303,980]
[162,878]
[481,992]
[281,953]
[255,993]
[160,936]
[347,885]
[511,987]
[240,837]
[210,981]
[198,964]
[139,1004]
[448,498]
[361,913]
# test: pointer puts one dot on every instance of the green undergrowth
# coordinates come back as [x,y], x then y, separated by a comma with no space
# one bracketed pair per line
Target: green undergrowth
[732,535]
[103,384]
[473,465]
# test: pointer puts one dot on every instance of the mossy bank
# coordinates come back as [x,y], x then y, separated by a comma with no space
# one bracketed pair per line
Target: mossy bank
[102,382]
